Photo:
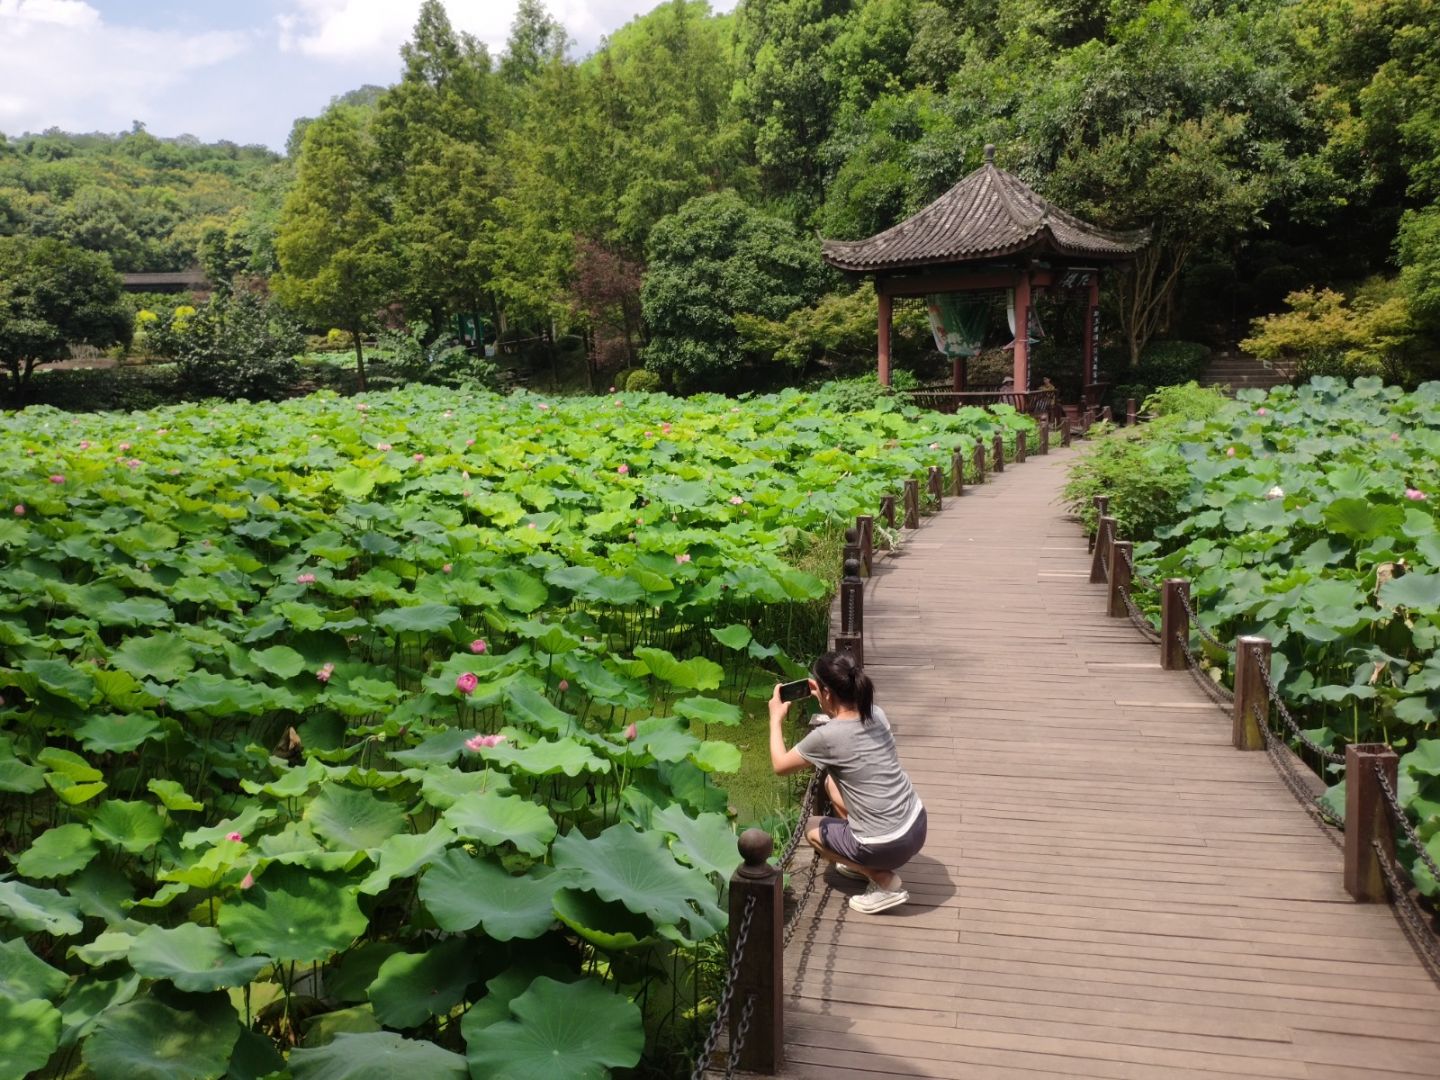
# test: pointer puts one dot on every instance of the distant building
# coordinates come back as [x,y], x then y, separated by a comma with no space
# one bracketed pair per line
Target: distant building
[168,281]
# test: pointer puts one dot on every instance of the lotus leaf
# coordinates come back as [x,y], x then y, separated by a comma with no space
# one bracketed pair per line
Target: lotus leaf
[321,1030]
[172,796]
[87,999]
[107,733]
[380,1055]
[709,711]
[461,892]
[192,957]
[694,674]
[131,826]
[404,855]
[546,758]
[33,911]
[146,1039]
[638,870]
[735,636]
[519,591]
[279,660]
[164,657]
[1418,590]
[245,822]
[412,987]
[494,819]
[419,619]
[61,679]
[706,842]
[23,975]
[353,820]
[29,1034]
[293,914]
[576,1030]
[58,852]
[607,924]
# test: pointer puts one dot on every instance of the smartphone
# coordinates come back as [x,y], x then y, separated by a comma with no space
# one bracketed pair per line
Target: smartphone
[795,691]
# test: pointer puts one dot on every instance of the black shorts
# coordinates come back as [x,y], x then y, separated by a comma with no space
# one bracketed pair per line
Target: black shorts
[835,834]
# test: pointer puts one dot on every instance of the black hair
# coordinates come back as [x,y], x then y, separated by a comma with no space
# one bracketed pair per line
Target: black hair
[846,681]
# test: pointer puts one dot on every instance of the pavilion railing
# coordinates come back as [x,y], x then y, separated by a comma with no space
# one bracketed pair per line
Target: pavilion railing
[1038,403]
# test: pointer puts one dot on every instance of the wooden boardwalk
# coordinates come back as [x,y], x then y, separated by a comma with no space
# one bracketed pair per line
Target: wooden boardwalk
[1109,889]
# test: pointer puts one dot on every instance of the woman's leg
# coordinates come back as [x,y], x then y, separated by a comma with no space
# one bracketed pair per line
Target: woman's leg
[815,834]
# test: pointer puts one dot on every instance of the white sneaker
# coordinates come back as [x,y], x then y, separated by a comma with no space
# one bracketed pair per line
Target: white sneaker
[853,875]
[875,899]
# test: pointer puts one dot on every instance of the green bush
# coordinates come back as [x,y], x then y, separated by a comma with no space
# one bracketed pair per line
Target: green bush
[862,391]
[239,346]
[643,381]
[443,362]
[98,389]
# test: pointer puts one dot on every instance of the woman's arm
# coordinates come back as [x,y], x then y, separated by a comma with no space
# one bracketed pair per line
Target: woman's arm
[783,761]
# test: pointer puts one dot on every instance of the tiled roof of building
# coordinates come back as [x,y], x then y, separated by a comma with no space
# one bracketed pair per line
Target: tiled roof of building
[989,214]
[165,277]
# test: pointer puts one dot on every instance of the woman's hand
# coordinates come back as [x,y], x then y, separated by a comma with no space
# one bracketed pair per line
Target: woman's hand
[778,709]
[782,760]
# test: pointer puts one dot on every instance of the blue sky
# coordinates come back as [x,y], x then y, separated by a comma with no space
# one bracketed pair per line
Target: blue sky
[225,70]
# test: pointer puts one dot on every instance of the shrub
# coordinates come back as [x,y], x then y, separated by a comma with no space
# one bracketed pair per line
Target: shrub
[643,381]
[101,389]
[237,346]
[444,362]
[1324,333]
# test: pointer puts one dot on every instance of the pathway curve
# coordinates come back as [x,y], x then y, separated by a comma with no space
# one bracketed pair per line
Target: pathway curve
[1109,889]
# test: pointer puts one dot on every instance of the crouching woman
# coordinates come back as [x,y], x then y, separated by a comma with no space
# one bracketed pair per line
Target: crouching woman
[879,823]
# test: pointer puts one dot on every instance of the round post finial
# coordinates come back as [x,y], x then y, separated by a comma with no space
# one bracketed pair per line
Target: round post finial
[756,846]
[990,153]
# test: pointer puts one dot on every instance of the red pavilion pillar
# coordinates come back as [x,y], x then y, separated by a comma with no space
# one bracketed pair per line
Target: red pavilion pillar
[883,333]
[1022,333]
[1092,340]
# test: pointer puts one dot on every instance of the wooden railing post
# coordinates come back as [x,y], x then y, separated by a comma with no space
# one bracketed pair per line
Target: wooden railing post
[937,486]
[852,598]
[1366,820]
[1044,437]
[1132,415]
[1065,432]
[761,971]
[866,524]
[1088,421]
[912,503]
[957,473]
[979,459]
[1106,415]
[1174,623]
[887,510]
[1100,562]
[851,550]
[999,452]
[1020,441]
[1252,703]
[1119,578]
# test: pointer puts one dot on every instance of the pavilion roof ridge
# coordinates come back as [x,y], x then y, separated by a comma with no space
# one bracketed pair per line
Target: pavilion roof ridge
[988,214]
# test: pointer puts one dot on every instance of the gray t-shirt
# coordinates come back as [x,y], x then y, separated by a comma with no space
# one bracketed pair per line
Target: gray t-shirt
[862,758]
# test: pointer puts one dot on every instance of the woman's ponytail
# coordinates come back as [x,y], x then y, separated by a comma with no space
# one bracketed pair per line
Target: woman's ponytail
[847,681]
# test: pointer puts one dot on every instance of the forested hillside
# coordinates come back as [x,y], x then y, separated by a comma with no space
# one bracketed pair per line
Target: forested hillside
[663,195]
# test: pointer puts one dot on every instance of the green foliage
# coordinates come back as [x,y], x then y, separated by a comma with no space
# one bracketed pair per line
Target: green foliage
[236,345]
[53,295]
[1162,364]
[91,389]
[441,362]
[714,260]
[320,709]
[1321,335]
[642,381]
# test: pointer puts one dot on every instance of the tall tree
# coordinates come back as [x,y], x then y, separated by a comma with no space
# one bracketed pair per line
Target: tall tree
[53,295]
[335,243]
[537,39]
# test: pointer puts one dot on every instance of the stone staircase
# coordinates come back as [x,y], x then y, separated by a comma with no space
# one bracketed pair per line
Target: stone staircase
[1237,371]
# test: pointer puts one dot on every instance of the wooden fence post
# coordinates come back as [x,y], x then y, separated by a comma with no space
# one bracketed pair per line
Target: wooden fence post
[887,510]
[937,486]
[1174,623]
[1065,432]
[854,645]
[761,971]
[999,452]
[1100,562]
[1044,437]
[1107,415]
[1119,578]
[851,550]
[1020,441]
[979,459]
[1366,819]
[1088,421]
[957,473]
[1132,415]
[912,503]
[1252,702]
[866,524]
[852,598]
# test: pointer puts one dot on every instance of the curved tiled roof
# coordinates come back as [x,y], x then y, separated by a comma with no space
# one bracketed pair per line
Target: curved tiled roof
[988,214]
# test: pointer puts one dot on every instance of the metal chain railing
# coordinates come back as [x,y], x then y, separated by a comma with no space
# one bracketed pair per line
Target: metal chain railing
[722,1011]
[1401,819]
[1221,695]
[1199,627]
[1329,756]
[742,1032]
[1285,767]
[807,804]
[1412,918]
[1138,619]
[1136,578]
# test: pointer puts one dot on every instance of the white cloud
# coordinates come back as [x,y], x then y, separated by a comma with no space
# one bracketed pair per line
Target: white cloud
[62,65]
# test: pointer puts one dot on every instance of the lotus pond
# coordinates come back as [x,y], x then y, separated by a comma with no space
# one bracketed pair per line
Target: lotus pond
[1308,516]
[371,738]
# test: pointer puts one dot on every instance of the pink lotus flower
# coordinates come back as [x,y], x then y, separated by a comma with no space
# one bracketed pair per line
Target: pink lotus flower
[533,525]
[1394,437]
[1414,495]
[665,427]
[484,742]
[84,444]
[683,558]
[542,407]
[622,469]
[478,646]
[1262,411]
[612,389]
[382,446]
[469,442]
[618,403]
[419,457]
[234,836]
[736,500]
[449,413]
[360,406]
[630,733]
[123,446]
[304,579]
[134,463]
[933,446]
[19,509]
[464,474]
[325,672]
[162,431]
[57,478]
[1230,452]
[467,683]
[564,685]
[247,881]
[446,568]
